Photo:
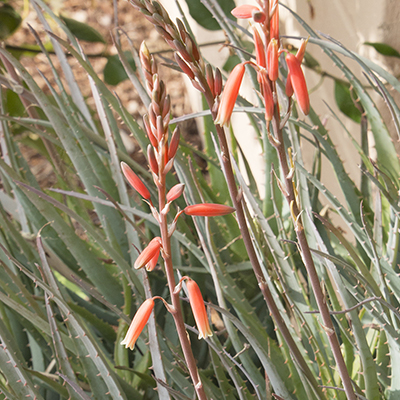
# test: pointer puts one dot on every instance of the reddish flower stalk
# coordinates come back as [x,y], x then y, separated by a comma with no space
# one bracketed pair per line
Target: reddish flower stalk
[138,323]
[208,210]
[161,154]
[198,309]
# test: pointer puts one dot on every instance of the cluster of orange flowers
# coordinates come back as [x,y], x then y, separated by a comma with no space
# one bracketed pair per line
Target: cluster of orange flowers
[267,65]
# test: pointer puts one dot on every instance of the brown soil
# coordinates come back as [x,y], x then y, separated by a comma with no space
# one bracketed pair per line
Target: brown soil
[100,15]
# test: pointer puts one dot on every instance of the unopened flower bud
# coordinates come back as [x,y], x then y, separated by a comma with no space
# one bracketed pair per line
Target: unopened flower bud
[273,60]
[267,94]
[174,143]
[175,192]
[298,82]
[208,210]
[152,159]
[210,78]
[217,82]
[229,95]
[274,21]
[183,66]
[192,48]
[244,11]
[149,131]
[181,49]
[301,50]
[153,262]
[148,253]
[260,50]
[135,181]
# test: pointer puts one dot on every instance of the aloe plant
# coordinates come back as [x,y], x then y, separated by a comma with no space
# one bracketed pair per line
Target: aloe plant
[297,309]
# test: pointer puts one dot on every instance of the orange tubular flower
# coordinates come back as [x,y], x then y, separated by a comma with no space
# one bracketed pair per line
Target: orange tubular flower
[148,253]
[274,22]
[135,181]
[260,50]
[273,60]
[153,262]
[138,323]
[298,83]
[229,95]
[208,210]
[198,309]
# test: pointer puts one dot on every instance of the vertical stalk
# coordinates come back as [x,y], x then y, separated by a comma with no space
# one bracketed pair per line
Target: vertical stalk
[176,310]
[307,258]
[262,283]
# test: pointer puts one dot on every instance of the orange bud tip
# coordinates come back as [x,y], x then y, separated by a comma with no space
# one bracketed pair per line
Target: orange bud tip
[138,323]
[198,309]
[208,210]
[302,50]
[230,95]
[148,253]
[244,11]
[135,181]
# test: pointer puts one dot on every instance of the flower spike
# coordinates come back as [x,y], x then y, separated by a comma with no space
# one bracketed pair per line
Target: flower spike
[135,181]
[138,323]
[198,309]
[229,95]
[148,253]
[208,210]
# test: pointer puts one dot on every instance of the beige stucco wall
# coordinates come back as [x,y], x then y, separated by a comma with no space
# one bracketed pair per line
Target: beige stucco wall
[352,22]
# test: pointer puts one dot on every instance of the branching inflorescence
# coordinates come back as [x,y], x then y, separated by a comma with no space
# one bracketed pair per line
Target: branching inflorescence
[209,82]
